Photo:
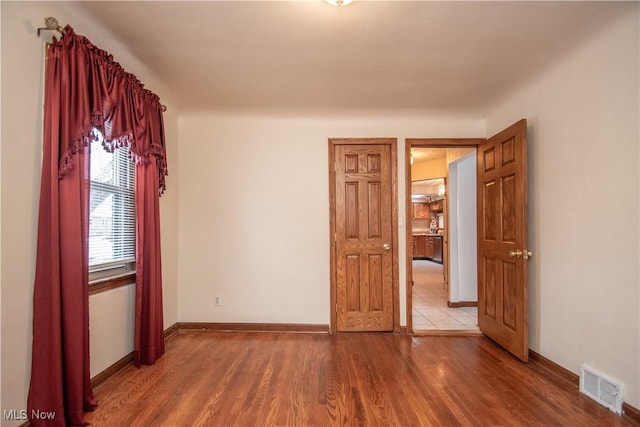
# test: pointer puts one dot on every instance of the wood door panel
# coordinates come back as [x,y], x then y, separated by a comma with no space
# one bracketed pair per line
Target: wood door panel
[363,225]
[508,151]
[374,226]
[351,212]
[376,300]
[352,282]
[509,295]
[351,163]
[508,198]
[489,156]
[373,163]
[502,229]
[489,210]
[489,294]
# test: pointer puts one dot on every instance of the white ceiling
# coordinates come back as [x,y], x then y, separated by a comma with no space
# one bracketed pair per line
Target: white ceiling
[294,55]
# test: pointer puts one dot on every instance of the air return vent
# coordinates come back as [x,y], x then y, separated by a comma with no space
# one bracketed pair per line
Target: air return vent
[601,389]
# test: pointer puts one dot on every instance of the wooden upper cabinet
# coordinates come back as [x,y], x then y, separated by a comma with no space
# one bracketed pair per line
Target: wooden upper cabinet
[421,211]
[436,206]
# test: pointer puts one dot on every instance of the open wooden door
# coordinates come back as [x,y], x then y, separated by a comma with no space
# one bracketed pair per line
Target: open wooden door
[502,239]
[363,252]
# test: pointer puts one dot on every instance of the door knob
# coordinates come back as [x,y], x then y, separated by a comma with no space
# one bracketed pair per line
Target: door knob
[518,253]
[386,246]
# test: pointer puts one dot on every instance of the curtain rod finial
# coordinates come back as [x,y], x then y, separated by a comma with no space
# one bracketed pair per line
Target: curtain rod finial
[51,24]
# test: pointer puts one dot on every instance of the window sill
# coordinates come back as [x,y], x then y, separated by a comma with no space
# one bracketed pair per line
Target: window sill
[113,282]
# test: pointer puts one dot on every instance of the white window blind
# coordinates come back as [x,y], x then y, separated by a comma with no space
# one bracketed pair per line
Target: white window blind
[111,211]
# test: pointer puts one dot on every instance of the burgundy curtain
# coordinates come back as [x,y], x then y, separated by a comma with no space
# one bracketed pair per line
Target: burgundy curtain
[149,333]
[84,89]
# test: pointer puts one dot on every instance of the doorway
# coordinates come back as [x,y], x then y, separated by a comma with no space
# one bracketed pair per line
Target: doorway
[436,302]
[442,226]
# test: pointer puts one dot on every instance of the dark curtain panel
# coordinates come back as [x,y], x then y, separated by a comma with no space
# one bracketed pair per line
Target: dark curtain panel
[84,89]
[149,332]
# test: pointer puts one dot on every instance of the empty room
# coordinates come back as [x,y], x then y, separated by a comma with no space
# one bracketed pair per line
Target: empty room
[309,213]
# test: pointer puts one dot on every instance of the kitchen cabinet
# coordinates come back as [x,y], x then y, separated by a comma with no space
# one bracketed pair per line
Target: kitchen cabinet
[436,206]
[421,211]
[419,246]
[427,247]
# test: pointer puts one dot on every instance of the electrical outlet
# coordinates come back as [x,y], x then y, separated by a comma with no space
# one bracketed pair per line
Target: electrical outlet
[217,300]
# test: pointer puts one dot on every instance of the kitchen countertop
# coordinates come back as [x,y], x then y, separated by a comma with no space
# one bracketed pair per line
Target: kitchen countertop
[426,234]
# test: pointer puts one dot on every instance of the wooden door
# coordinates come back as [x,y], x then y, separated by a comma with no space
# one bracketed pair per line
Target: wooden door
[502,239]
[363,237]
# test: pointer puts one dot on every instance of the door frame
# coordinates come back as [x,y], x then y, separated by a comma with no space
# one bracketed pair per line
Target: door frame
[408,145]
[393,143]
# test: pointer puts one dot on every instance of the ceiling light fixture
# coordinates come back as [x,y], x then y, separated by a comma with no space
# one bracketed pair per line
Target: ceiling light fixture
[339,2]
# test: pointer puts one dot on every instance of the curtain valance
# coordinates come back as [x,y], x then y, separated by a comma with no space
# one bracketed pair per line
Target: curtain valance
[101,94]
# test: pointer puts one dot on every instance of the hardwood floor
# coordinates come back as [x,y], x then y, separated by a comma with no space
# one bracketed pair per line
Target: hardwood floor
[365,379]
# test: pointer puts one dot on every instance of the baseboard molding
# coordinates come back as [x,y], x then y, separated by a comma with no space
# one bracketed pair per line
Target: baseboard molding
[171,331]
[631,412]
[126,360]
[574,379]
[459,304]
[554,368]
[254,327]
[112,370]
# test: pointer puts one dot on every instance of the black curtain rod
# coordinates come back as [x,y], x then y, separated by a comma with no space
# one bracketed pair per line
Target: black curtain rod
[51,24]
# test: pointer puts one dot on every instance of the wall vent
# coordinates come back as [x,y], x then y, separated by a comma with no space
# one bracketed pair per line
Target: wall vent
[603,390]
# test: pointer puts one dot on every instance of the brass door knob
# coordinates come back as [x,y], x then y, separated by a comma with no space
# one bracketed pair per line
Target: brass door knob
[386,246]
[518,253]
[515,254]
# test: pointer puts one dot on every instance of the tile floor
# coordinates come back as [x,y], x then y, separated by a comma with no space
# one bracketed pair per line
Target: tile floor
[430,311]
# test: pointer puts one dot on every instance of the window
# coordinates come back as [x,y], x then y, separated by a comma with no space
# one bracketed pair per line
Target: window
[111,212]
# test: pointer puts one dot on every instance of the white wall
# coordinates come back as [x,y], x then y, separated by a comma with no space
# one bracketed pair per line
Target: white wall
[254,210]
[583,203]
[22,97]
[463,278]
[112,316]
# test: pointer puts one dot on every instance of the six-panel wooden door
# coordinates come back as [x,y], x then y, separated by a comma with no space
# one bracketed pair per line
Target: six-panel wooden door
[502,239]
[363,237]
